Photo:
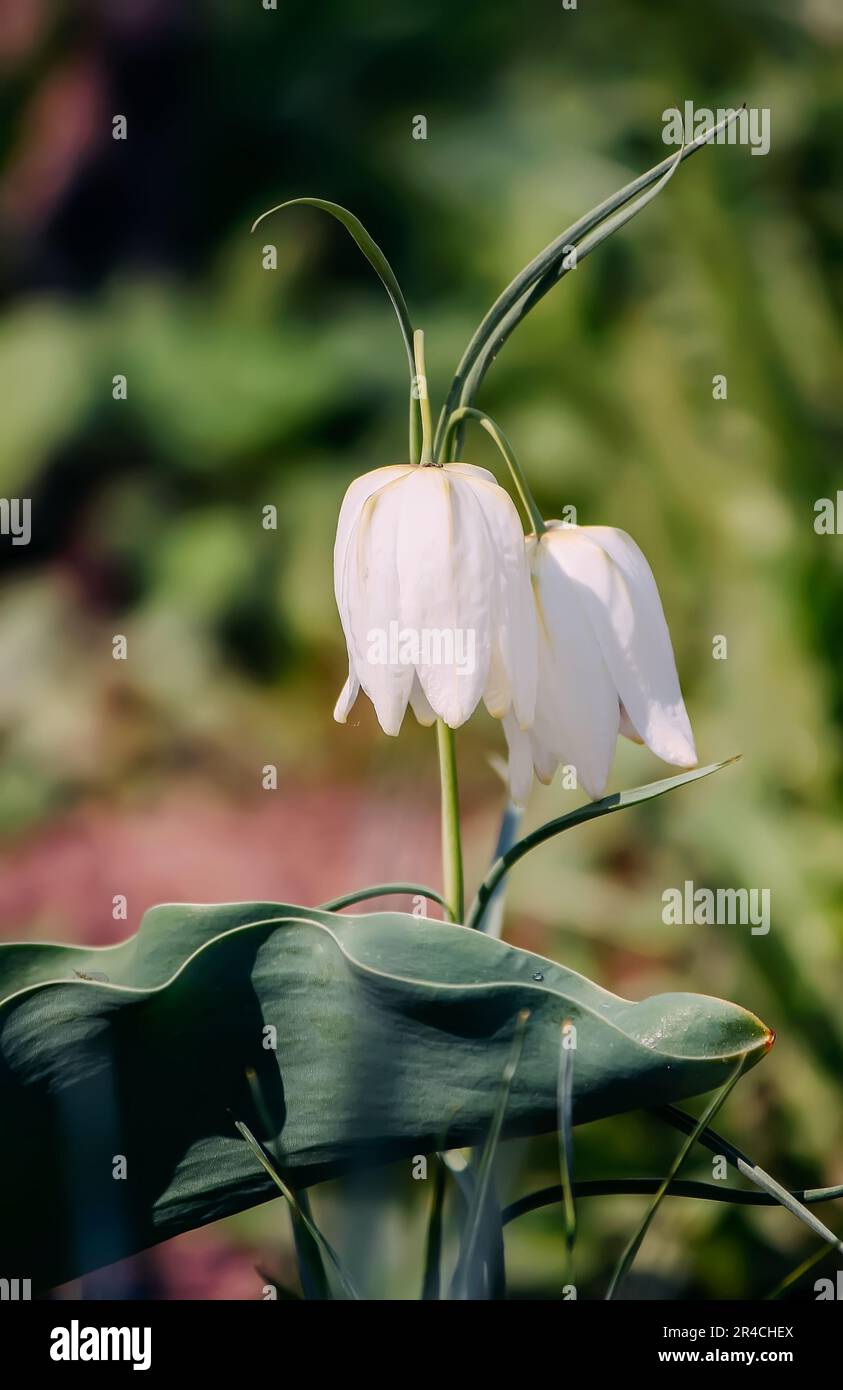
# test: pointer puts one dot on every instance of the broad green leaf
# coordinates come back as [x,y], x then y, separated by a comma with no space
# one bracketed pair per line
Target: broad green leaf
[371,1038]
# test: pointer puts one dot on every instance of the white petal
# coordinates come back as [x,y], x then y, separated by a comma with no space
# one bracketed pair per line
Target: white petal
[421,705]
[577,713]
[628,729]
[357,494]
[446,569]
[348,695]
[520,760]
[514,611]
[623,604]
[497,696]
[371,589]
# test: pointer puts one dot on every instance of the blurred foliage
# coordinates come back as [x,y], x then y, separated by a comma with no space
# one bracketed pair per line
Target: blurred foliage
[249,387]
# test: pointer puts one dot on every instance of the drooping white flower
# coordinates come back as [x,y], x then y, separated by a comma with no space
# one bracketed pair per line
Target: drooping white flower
[433,589]
[606,663]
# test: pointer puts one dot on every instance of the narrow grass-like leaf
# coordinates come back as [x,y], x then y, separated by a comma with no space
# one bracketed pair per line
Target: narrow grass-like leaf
[625,1262]
[644,1187]
[312,1276]
[592,810]
[556,271]
[374,255]
[376,258]
[752,1171]
[432,1280]
[544,267]
[796,1274]
[384,890]
[316,1235]
[473,1223]
[566,1141]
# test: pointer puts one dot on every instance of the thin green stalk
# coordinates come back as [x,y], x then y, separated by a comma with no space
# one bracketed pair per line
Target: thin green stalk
[432,1280]
[415,425]
[474,1219]
[565,1104]
[625,1262]
[467,412]
[423,399]
[796,1274]
[452,871]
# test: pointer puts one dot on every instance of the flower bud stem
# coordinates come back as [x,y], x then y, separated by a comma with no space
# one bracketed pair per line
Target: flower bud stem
[468,412]
[424,400]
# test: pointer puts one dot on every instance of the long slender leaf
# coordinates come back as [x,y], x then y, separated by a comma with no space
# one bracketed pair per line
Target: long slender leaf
[626,1260]
[592,810]
[384,890]
[798,1273]
[309,1224]
[432,1279]
[312,1276]
[566,1141]
[374,255]
[463,1273]
[545,264]
[559,267]
[644,1187]
[752,1171]
[376,258]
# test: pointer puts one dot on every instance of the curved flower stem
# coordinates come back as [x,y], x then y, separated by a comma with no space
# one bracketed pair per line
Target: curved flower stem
[420,390]
[468,412]
[452,872]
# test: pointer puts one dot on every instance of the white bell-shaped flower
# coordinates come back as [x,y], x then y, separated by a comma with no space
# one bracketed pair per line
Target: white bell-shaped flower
[606,664]
[433,588]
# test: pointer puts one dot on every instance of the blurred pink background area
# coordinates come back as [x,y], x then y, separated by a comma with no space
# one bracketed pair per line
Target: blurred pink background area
[302,845]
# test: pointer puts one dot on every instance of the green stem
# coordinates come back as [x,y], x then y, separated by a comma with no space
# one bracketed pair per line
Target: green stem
[424,400]
[452,874]
[468,412]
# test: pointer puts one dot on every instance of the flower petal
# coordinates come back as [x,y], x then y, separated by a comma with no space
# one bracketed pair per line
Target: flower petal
[421,705]
[514,612]
[520,760]
[619,594]
[446,569]
[348,695]
[371,589]
[577,713]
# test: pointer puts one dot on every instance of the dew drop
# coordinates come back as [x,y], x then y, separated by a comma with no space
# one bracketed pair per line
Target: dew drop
[538,975]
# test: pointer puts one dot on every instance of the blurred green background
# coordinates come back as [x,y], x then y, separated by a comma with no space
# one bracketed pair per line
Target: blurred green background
[249,387]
